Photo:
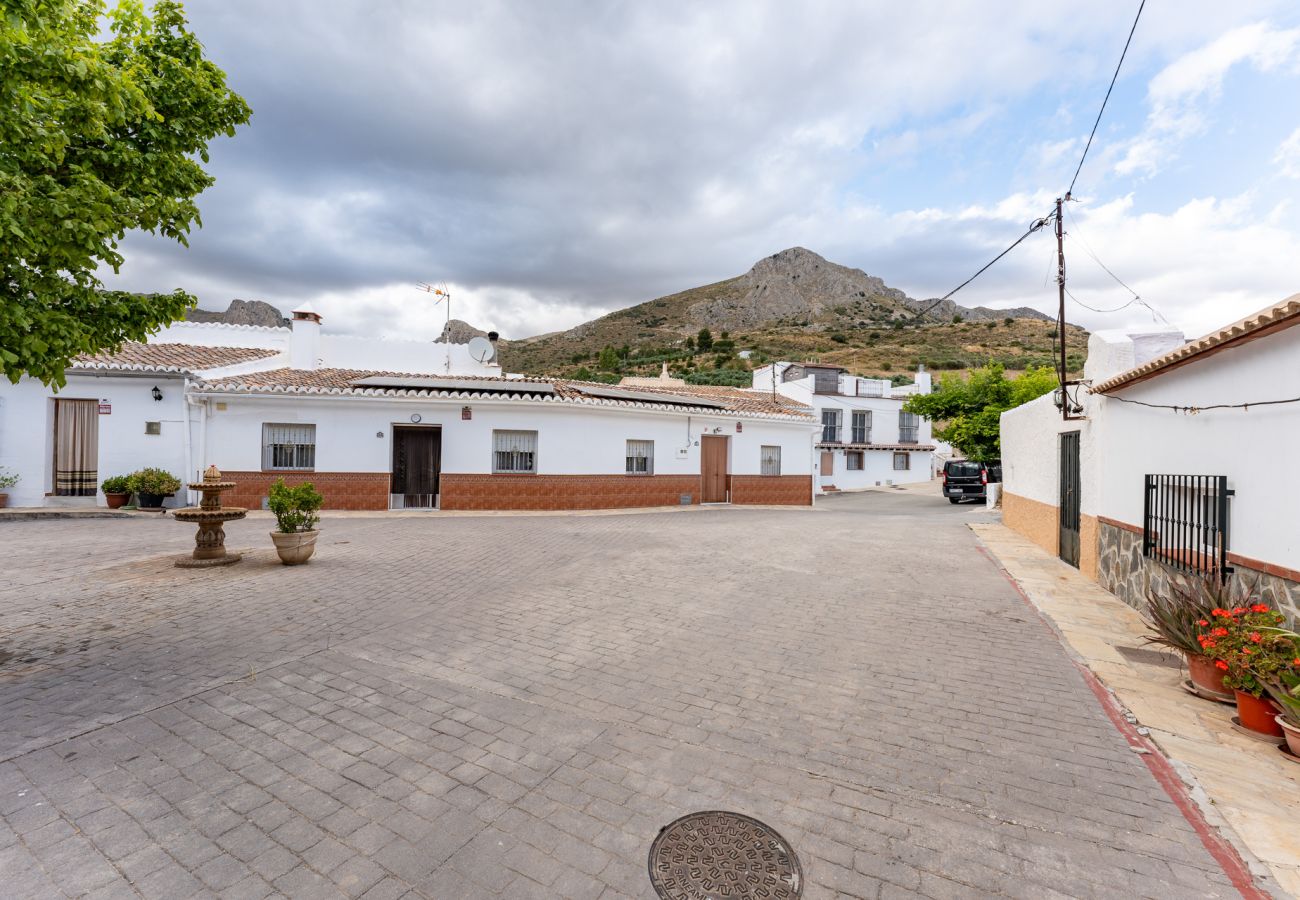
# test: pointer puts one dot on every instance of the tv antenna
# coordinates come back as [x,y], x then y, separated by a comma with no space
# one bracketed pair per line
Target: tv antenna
[440,293]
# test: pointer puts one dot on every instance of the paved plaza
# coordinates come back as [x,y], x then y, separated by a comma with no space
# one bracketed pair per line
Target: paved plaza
[513,706]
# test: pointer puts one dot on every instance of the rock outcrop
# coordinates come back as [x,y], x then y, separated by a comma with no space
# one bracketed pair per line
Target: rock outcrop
[242,312]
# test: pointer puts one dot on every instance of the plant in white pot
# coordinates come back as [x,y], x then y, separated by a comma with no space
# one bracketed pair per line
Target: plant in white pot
[7,480]
[296,516]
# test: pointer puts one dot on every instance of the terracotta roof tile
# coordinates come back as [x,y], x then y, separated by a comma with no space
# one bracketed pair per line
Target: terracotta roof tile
[1256,325]
[170,357]
[342,381]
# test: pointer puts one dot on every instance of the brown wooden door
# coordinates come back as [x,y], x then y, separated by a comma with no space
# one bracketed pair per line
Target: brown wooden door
[713,469]
[828,463]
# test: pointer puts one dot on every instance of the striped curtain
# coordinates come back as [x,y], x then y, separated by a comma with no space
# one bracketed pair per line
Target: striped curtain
[76,448]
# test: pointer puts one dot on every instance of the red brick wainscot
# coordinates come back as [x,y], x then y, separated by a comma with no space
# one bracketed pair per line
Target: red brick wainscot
[565,491]
[341,490]
[778,490]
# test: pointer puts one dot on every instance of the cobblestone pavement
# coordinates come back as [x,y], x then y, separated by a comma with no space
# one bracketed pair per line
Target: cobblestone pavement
[460,708]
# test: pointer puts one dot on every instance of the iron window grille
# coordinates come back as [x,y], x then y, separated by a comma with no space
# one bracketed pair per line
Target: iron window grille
[902,462]
[640,457]
[514,452]
[854,461]
[1185,522]
[287,447]
[908,425]
[861,427]
[830,426]
[770,460]
[826,382]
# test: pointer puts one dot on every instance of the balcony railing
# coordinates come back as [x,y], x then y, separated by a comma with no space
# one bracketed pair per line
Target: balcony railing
[1185,522]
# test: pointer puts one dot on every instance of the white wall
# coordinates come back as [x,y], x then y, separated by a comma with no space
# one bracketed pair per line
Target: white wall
[27,429]
[355,435]
[1031,452]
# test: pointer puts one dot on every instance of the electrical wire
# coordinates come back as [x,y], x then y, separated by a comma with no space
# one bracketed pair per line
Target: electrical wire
[1036,226]
[1113,78]
[1193,410]
[1074,234]
[1096,310]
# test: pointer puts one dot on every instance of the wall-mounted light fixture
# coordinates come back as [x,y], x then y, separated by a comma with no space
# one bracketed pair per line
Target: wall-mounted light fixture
[157,393]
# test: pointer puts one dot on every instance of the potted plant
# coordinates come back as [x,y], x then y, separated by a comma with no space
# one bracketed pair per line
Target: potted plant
[1250,648]
[7,480]
[151,485]
[117,490]
[1177,616]
[296,518]
[1284,688]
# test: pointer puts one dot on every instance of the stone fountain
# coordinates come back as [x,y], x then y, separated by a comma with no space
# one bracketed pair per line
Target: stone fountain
[210,516]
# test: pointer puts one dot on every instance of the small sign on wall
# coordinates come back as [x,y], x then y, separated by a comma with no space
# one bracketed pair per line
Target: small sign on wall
[105,408]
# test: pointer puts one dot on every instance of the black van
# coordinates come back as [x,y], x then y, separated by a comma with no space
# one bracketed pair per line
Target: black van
[965,479]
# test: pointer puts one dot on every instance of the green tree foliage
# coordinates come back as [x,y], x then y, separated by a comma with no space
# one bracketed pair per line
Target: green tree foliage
[967,413]
[103,129]
[704,340]
[608,360]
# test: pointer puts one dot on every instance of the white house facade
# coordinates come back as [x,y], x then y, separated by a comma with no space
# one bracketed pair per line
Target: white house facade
[865,439]
[1179,460]
[392,424]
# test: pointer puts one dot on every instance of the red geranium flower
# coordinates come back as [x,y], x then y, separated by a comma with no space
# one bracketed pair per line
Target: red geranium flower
[1219,632]
[1219,612]
[1259,607]
[1220,664]
[1203,622]
[1256,637]
[1238,610]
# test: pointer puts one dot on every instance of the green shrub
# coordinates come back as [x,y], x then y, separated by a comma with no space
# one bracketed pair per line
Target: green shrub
[8,479]
[153,481]
[295,507]
[117,484]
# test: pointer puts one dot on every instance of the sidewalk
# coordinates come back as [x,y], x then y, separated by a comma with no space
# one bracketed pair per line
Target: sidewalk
[1245,786]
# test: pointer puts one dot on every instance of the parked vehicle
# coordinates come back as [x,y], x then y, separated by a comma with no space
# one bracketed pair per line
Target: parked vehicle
[965,479]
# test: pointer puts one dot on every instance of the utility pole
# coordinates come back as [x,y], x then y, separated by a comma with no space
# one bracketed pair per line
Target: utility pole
[1060,316]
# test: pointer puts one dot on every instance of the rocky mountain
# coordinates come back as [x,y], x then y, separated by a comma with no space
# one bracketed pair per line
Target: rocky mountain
[242,312]
[458,331]
[795,304]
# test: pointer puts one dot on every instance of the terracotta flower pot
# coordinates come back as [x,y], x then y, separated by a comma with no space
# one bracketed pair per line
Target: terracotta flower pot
[116,501]
[296,547]
[1258,714]
[1292,733]
[4,500]
[1206,676]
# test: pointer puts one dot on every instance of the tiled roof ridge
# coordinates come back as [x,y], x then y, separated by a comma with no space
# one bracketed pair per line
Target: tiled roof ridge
[1257,324]
[169,356]
[230,326]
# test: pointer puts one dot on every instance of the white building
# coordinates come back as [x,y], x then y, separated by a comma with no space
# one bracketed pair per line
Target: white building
[391,424]
[865,440]
[1179,460]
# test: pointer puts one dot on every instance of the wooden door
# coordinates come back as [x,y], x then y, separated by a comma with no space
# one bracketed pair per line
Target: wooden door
[713,469]
[828,463]
[417,461]
[1069,505]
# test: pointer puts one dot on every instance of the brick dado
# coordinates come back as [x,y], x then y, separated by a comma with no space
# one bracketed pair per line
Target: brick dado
[341,490]
[369,490]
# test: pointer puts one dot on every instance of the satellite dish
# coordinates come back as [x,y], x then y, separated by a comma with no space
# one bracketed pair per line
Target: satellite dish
[481,349]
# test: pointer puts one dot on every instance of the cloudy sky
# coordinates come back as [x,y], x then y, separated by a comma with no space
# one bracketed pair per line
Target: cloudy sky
[554,161]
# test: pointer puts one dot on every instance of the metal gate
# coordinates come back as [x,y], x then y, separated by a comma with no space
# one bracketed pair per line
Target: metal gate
[1069,504]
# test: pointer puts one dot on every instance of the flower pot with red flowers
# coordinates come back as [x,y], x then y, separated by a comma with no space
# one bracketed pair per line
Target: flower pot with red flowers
[1177,615]
[1250,648]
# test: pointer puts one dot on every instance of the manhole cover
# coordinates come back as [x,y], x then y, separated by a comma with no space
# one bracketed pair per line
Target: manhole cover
[712,855]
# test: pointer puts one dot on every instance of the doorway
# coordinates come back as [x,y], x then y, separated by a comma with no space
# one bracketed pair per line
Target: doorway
[1069,501]
[417,463]
[76,448]
[713,469]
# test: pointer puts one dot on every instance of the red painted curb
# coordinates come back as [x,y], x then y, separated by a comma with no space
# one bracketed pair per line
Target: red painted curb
[1161,769]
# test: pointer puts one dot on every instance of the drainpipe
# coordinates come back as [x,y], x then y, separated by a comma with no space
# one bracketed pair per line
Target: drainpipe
[189,459]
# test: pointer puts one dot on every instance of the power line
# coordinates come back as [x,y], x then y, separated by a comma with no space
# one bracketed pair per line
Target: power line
[1036,226]
[1095,309]
[1113,78]
[1137,298]
[1193,410]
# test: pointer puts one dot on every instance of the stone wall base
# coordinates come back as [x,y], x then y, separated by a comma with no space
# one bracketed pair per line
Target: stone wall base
[341,490]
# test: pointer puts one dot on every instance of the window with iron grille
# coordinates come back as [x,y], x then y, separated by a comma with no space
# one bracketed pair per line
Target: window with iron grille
[770,460]
[288,446]
[861,426]
[1185,522]
[908,425]
[826,382]
[902,462]
[640,457]
[514,452]
[854,460]
[830,426]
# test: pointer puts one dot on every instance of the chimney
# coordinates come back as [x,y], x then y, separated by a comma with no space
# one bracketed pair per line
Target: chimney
[304,343]
[923,380]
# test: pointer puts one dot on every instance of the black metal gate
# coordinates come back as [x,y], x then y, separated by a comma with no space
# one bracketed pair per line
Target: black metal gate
[1069,505]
